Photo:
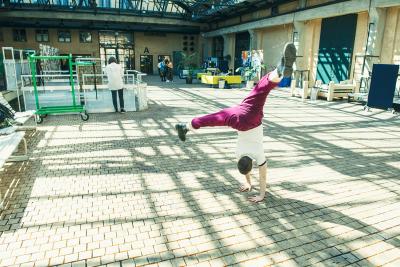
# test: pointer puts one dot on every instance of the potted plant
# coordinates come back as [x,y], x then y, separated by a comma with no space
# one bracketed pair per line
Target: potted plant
[188,63]
[249,73]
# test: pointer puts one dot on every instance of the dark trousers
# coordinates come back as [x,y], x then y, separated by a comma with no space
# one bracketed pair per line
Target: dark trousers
[162,75]
[121,98]
[169,74]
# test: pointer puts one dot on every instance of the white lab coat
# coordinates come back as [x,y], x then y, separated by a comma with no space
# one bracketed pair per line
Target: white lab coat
[114,74]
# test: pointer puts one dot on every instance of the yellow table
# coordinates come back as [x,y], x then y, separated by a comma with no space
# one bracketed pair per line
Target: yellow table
[213,80]
[198,75]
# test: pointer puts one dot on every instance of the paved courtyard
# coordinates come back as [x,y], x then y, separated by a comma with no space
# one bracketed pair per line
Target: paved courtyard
[121,190]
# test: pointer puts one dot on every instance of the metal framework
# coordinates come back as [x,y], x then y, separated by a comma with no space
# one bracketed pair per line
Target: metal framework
[42,111]
[200,11]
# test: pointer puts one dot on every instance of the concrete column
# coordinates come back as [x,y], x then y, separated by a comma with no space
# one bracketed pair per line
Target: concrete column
[299,40]
[255,39]
[206,47]
[311,47]
[302,3]
[377,21]
[388,49]
[229,48]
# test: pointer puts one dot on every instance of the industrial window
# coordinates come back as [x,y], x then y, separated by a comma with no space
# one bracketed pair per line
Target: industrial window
[42,35]
[19,35]
[64,36]
[85,37]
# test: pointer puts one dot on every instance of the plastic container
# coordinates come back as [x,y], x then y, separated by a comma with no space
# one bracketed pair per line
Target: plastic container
[314,94]
[221,84]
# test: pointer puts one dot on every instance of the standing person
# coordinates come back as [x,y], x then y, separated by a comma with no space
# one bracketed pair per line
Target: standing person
[169,68]
[115,75]
[161,70]
[246,118]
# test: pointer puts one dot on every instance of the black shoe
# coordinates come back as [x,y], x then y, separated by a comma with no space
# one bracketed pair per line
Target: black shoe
[285,67]
[123,110]
[182,131]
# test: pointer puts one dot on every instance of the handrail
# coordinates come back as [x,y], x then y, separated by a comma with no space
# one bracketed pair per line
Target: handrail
[46,75]
[104,75]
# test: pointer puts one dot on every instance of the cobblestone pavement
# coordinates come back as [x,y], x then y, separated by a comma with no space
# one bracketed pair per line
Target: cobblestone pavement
[121,190]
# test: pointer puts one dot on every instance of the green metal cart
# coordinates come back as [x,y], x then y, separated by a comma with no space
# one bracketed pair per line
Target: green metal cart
[42,112]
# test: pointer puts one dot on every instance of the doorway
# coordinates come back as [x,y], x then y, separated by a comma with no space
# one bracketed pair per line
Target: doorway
[124,56]
[162,58]
[336,48]
[146,64]
[119,45]
[242,43]
[218,47]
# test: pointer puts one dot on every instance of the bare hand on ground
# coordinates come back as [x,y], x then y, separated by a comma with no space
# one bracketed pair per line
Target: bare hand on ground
[245,187]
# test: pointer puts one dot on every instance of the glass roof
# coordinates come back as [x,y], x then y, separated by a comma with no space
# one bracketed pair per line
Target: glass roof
[201,11]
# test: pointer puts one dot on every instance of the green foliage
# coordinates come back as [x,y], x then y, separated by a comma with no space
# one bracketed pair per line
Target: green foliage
[188,61]
[250,72]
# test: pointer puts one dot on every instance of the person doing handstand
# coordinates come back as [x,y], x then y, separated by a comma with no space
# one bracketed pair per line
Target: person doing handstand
[246,118]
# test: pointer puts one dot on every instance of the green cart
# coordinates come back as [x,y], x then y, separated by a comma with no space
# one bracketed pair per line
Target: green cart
[42,112]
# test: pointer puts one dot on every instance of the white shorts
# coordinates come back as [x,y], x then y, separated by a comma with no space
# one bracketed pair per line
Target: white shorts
[250,143]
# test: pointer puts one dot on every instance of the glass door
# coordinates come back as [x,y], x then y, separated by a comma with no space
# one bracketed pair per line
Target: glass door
[146,64]
[119,45]
[111,52]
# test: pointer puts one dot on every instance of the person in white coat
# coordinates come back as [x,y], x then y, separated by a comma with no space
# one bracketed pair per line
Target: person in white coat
[115,75]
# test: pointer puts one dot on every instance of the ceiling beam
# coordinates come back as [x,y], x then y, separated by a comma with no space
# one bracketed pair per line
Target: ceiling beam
[84,16]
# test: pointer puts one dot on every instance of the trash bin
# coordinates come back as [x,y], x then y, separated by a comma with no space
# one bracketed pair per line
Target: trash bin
[249,85]
[314,93]
[221,84]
